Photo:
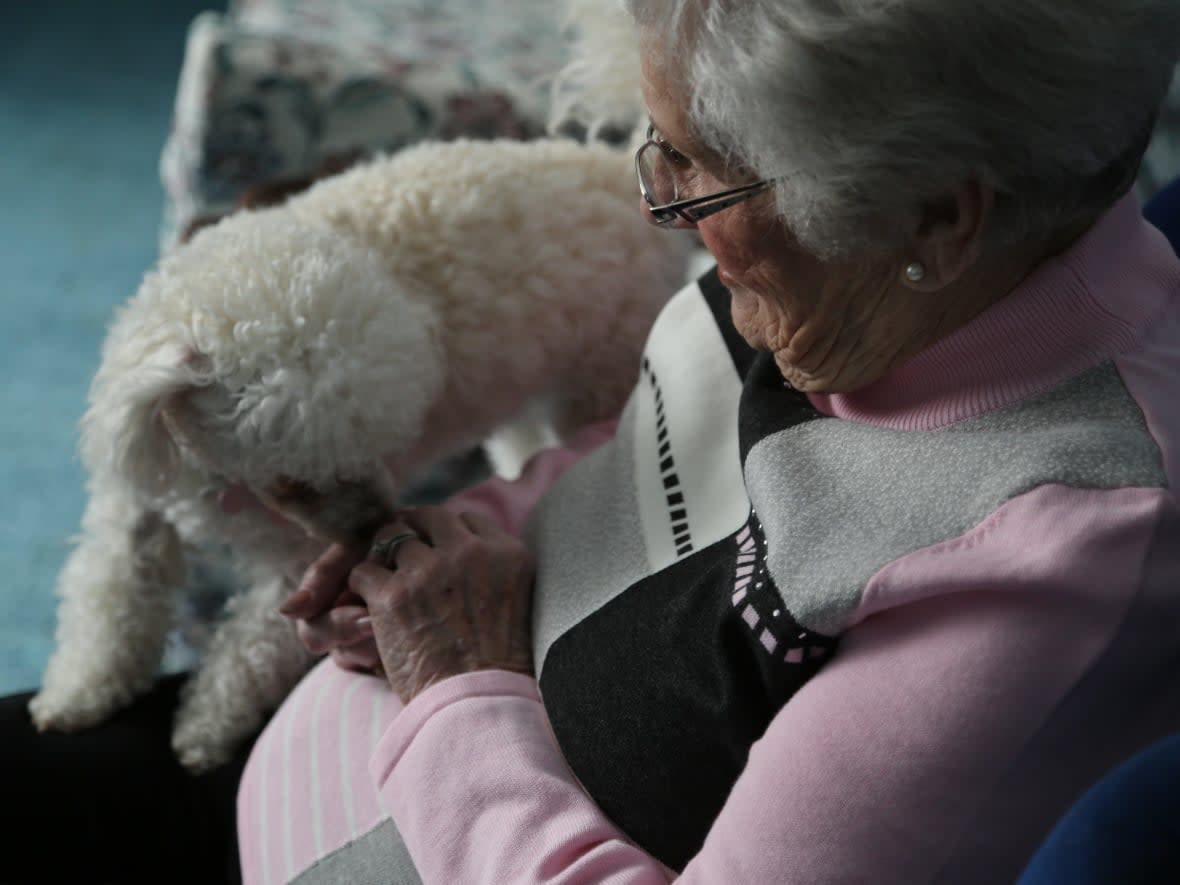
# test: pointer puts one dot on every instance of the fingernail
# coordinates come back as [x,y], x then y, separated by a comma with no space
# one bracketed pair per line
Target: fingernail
[295,602]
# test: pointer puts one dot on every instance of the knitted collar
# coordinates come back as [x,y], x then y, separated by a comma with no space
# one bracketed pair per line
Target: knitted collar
[1086,305]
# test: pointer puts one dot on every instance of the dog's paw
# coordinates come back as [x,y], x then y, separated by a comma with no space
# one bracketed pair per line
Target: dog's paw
[198,758]
[199,747]
[67,711]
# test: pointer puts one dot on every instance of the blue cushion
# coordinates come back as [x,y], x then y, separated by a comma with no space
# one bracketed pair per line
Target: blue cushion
[1125,830]
[1163,210]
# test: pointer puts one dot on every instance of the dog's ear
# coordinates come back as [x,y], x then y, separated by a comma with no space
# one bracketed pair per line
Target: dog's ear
[316,360]
[200,422]
[126,432]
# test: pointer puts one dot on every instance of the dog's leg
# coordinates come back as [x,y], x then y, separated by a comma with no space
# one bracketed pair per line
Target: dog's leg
[117,590]
[252,663]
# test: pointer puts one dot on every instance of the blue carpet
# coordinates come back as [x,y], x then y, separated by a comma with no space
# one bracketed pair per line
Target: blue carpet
[85,101]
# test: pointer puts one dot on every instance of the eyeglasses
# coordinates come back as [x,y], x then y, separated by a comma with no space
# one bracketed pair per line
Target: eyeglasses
[655,164]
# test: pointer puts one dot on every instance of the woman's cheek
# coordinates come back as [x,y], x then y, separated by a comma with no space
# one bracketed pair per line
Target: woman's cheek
[719,238]
[748,314]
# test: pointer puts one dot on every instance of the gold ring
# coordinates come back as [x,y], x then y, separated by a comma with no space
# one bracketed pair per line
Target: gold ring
[385,550]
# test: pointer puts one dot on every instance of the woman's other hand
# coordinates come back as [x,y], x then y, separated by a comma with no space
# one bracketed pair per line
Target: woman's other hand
[452,596]
[329,618]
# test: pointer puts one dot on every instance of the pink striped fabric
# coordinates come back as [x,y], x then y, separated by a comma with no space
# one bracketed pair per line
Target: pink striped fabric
[307,790]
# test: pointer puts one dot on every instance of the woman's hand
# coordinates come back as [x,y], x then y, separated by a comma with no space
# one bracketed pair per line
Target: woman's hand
[453,597]
[330,618]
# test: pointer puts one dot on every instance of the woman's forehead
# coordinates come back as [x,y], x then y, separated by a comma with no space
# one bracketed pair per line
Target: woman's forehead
[666,103]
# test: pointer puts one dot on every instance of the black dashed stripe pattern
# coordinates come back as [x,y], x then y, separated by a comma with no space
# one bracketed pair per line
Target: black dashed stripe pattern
[673,493]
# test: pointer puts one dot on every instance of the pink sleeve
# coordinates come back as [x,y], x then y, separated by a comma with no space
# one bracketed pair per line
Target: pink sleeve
[931,725]
[476,755]
[509,502]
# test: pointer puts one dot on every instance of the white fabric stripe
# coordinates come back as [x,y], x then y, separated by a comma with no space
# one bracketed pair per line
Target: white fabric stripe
[317,805]
[593,502]
[375,720]
[287,779]
[262,802]
[700,400]
[344,742]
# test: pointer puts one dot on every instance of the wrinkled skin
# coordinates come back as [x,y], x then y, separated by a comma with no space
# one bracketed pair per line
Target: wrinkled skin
[455,600]
[836,325]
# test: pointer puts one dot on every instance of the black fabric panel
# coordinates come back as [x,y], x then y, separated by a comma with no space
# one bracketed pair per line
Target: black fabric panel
[718,299]
[656,698]
[769,405]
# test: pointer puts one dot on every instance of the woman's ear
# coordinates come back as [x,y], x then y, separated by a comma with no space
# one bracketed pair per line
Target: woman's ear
[949,237]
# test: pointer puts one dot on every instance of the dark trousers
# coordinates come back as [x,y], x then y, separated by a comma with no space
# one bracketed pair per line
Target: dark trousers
[112,804]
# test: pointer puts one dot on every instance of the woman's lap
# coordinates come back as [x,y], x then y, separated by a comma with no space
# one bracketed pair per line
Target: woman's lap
[308,803]
[111,803]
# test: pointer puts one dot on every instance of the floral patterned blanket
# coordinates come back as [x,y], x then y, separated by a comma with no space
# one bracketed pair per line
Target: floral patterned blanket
[276,89]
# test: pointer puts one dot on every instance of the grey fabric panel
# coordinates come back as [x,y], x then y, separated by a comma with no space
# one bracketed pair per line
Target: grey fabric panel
[839,500]
[596,505]
[379,857]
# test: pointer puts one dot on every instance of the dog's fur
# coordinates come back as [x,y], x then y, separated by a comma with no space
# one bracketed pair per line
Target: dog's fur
[314,356]
[598,91]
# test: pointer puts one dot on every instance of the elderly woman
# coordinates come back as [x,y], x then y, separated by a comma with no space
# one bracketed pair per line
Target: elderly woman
[880,568]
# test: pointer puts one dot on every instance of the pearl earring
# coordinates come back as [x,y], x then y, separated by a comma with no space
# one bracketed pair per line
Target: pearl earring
[915,272]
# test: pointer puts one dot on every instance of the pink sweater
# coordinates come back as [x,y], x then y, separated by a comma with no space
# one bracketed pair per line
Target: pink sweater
[980,683]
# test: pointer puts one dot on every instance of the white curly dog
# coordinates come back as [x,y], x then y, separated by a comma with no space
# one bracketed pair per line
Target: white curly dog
[313,357]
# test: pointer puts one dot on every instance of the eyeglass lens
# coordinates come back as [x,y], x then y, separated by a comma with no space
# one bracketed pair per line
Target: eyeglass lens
[656,174]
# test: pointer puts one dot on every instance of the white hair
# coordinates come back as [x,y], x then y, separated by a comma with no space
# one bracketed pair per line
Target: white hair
[864,111]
